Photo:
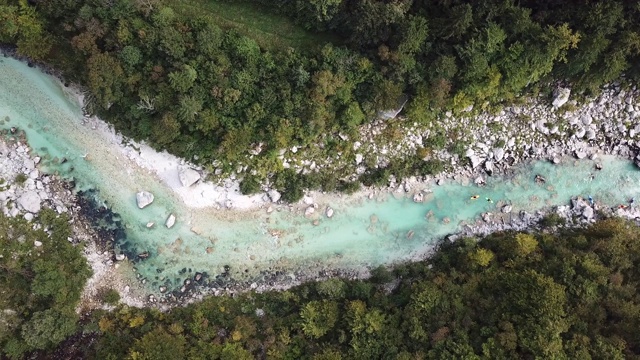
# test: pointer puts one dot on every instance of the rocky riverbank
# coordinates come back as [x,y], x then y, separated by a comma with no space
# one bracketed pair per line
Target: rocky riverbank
[25,189]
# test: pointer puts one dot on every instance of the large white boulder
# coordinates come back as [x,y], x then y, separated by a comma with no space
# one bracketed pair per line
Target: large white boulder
[188,176]
[30,201]
[274,195]
[475,160]
[143,199]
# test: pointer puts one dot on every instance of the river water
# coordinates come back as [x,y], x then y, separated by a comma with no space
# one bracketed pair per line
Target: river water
[362,232]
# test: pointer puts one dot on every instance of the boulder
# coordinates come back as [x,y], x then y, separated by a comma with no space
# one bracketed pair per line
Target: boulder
[581,154]
[274,195]
[359,159]
[120,257]
[30,201]
[418,197]
[309,211]
[143,199]
[541,126]
[188,176]
[498,154]
[586,119]
[560,97]
[507,209]
[475,161]
[587,212]
[488,166]
[171,220]
[329,212]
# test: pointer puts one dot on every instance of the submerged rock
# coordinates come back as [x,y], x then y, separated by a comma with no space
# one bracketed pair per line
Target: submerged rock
[171,220]
[188,176]
[143,199]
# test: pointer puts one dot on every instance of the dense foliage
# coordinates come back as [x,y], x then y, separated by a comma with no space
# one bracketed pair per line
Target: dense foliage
[195,85]
[41,277]
[571,295]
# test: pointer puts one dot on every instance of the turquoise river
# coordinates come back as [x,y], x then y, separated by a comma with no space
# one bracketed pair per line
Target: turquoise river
[362,233]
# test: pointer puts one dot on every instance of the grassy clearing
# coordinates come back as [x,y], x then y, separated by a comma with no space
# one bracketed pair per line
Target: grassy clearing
[270,31]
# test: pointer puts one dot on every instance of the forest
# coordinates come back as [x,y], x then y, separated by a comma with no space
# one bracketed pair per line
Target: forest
[553,293]
[191,78]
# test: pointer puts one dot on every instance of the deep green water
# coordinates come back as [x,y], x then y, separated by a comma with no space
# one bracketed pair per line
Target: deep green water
[362,232]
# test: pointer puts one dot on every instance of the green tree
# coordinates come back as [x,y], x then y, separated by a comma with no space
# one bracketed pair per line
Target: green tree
[319,317]
[159,345]
[47,328]
[183,79]
[105,76]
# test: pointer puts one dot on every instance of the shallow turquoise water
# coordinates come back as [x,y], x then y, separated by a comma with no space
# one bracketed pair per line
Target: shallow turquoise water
[361,233]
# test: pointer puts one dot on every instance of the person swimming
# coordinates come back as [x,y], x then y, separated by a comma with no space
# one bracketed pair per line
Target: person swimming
[475,197]
[489,200]
[590,200]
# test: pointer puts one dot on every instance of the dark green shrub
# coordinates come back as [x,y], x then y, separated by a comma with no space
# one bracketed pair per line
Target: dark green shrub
[552,219]
[250,185]
[110,296]
[21,178]
[350,187]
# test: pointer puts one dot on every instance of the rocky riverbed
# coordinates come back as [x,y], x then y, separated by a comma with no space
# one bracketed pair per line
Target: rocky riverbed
[184,241]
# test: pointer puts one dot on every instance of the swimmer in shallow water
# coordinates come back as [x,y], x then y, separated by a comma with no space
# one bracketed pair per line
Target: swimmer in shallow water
[475,197]
[489,200]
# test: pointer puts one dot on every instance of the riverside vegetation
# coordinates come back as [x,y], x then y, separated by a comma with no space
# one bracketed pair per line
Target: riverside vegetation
[213,89]
[562,294]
